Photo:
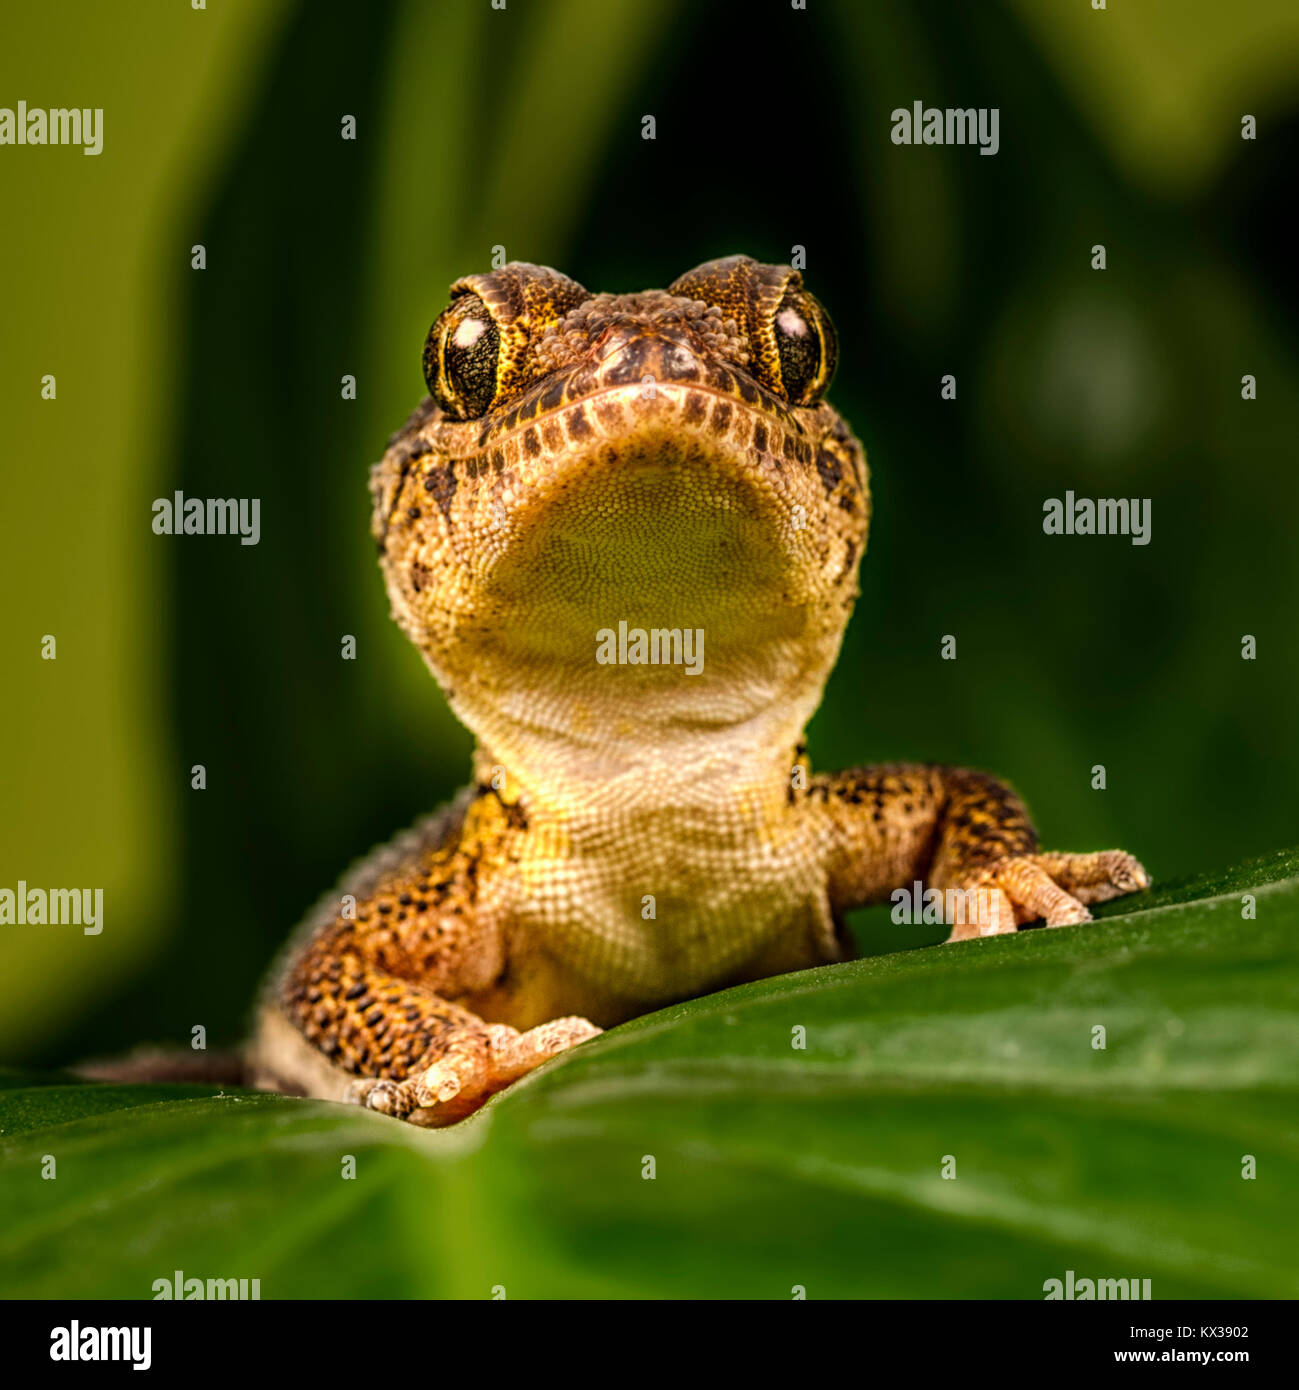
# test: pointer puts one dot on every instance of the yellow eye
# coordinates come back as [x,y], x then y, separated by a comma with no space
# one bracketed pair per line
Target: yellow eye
[461,358]
[806,346]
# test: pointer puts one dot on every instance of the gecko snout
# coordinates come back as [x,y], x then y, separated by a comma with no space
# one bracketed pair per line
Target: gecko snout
[628,357]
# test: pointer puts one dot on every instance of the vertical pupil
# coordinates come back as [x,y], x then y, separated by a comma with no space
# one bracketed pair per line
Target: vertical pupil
[799,346]
[470,356]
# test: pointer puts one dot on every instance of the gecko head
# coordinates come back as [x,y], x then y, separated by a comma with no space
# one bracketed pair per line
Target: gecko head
[663,459]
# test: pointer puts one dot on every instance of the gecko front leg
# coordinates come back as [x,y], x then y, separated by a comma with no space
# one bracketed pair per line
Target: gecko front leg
[366,1010]
[886,827]
[413,1053]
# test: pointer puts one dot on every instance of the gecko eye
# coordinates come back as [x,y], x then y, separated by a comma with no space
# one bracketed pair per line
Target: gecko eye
[461,356]
[806,345]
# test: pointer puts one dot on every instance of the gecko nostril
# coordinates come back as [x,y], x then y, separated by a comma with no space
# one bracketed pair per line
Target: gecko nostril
[613,340]
[682,361]
[652,356]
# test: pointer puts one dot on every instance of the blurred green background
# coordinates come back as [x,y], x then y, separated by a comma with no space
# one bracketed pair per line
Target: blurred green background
[522,128]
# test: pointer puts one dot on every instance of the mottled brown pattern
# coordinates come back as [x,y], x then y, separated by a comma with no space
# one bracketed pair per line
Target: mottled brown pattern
[636,833]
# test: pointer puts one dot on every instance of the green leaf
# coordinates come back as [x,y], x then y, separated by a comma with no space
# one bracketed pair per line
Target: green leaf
[773,1167]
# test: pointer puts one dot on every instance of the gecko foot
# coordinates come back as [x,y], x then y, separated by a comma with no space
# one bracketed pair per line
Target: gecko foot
[461,1073]
[1053,887]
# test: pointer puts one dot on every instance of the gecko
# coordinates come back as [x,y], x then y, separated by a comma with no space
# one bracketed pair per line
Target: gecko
[624,532]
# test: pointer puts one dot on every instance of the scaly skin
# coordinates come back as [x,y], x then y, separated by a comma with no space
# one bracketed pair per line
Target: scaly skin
[637,834]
